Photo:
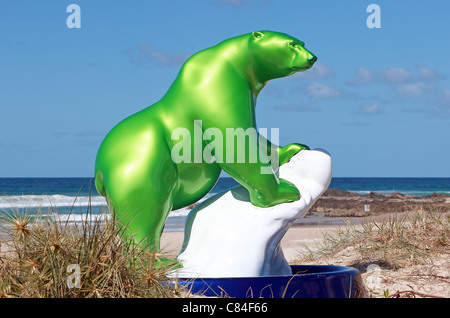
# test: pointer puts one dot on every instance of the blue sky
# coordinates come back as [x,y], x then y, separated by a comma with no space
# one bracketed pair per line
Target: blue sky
[377,99]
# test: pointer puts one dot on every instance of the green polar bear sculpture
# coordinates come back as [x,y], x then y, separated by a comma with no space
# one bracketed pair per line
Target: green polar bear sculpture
[217,88]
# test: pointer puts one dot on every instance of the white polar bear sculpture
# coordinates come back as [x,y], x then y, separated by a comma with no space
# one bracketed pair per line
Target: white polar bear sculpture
[227,236]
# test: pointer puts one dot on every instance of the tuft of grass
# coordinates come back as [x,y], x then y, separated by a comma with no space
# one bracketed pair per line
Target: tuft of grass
[399,241]
[50,257]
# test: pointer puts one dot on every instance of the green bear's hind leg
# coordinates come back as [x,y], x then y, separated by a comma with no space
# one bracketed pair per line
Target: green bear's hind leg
[143,217]
[142,202]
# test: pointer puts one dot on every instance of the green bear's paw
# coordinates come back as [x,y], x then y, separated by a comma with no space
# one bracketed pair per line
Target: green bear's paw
[287,152]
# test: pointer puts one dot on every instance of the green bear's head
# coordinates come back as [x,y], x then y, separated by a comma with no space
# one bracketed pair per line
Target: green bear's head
[278,54]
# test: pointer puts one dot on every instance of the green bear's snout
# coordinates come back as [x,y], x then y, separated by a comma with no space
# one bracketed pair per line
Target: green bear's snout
[304,60]
[312,59]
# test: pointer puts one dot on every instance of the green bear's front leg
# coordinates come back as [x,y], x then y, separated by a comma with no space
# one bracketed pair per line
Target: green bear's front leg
[264,187]
[260,178]
[284,154]
[266,196]
[287,152]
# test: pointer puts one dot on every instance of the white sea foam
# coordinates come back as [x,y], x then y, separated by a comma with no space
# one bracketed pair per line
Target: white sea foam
[42,201]
[179,212]
[64,203]
[57,200]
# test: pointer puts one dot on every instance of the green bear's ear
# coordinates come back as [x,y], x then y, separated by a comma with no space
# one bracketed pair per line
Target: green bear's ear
[256,35]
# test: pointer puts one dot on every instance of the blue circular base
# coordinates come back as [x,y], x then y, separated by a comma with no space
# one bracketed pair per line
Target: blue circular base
[307,281]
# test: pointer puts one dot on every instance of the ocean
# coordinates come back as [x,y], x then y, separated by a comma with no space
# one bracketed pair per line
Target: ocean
[70,197]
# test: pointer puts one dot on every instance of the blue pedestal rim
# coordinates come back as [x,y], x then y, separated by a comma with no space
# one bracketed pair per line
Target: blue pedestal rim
[307,281]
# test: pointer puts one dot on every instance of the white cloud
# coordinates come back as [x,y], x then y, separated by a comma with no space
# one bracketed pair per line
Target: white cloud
[301,107]
[395,75]
[446,97]
[239,3]
[321,91]
[363,77]
[236,3]
[318,71]
[428,74]
[372,109]
[442,107]
[144,53]
[415,89]
[419,87]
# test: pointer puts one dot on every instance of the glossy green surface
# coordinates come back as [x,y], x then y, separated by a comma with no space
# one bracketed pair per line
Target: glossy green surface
[135,169]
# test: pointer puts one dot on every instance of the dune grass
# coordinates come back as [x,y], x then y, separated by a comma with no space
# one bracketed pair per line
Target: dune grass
[398,240]
[50,257]
[410,244]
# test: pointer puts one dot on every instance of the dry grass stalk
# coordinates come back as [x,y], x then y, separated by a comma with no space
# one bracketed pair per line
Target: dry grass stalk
[36,256]
[400,240]
[413,245]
